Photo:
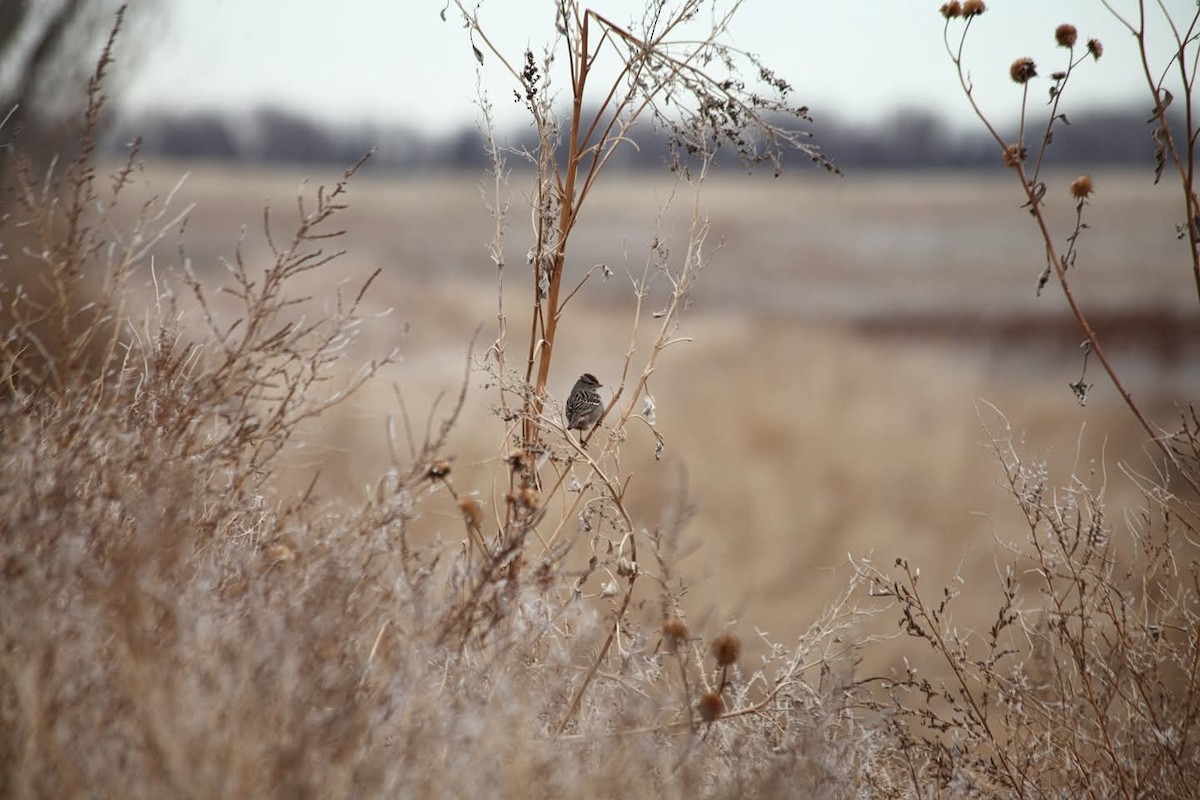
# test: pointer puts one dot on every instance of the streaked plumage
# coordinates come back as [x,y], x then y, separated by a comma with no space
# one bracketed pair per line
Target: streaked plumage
[584,405]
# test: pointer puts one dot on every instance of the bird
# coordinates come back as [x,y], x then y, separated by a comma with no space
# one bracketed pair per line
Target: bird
[584,405]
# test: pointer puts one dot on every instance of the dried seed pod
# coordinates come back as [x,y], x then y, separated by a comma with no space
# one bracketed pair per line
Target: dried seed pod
[726,648]
[1066,35]
[675,632]
[951,10]
[1081,187]
[472,511]
[711,706]
[1014,154]
[1022,70]
[973,8]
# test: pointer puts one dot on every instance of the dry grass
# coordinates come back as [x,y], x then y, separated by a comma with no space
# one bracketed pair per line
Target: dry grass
[849,441]
[257,540]
[151,608]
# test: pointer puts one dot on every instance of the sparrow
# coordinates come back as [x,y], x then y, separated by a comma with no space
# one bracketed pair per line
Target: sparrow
[584,405]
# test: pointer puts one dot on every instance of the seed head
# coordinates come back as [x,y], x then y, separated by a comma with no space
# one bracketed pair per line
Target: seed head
[711,706]
[528,497]
[726,648]
[973,8]
[675,632]
[439,469]
[472,512]
[1022,70]
[1065,35]
[518,459]
[951,10]
[1095,48]
[1081,187]
[1014,154]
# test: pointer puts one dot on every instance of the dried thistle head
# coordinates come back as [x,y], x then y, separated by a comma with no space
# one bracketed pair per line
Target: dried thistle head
[675,632]
[1022,70]
[1095,48]
[1066,35]
[951,10]
[711,706]
[518,459]
[528,497]
[439,469]
[726,649]
[1081,187]
[627,568]
[472,511]
[973,8]
[1014,154]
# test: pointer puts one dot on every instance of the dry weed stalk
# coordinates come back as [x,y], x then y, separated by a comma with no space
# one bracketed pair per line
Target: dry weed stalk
[659,76]
[154,594]
[54,334]
[1181,62]
[174,627]
[1087,682]
[690,84]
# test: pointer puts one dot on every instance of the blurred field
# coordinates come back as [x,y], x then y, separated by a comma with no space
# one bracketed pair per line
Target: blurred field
[848,338]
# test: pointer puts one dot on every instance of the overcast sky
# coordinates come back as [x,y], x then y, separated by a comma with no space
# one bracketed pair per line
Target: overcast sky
[396,61]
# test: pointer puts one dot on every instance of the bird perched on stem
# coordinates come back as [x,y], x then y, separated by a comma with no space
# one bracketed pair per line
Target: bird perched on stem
[584,405]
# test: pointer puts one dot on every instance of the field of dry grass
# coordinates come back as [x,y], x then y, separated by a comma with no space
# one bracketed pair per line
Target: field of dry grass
[850,339]
[288,507]
[220,584]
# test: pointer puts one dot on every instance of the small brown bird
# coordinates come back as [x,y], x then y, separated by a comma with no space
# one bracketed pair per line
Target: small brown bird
[584,405]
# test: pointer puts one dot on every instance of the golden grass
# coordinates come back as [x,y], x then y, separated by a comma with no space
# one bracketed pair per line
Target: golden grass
[801,440]
[217,634]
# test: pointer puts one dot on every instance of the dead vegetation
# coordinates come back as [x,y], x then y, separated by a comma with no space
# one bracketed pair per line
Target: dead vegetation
[177,623]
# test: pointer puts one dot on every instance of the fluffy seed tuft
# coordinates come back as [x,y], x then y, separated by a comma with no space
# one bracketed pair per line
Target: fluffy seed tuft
[1095,48]
[951,10]
[726,648]
[1081,187]
[518,459]
[472,512]
[1022,70]
[973,8]
[711,706]
[1066,35]
[675,632]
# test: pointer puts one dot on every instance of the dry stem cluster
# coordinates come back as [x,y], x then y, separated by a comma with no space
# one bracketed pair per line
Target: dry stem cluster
[174,626]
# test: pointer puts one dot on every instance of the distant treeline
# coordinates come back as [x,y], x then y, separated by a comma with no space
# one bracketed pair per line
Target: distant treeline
[903,140]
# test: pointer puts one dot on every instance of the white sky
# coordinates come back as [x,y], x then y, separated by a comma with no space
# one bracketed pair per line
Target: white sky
[396,61]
